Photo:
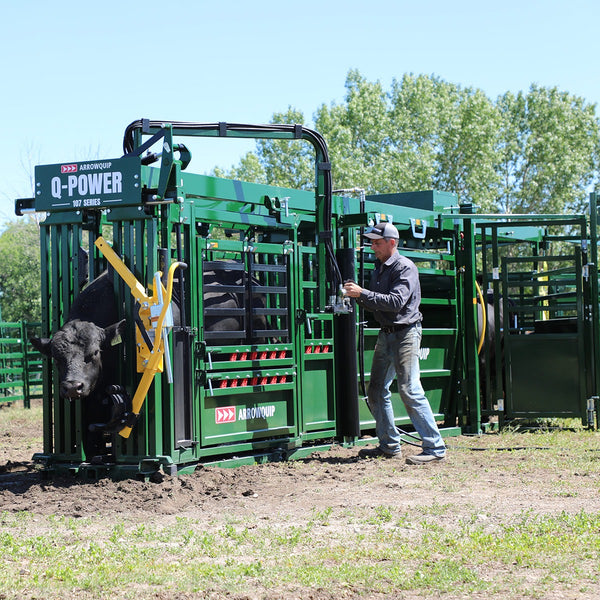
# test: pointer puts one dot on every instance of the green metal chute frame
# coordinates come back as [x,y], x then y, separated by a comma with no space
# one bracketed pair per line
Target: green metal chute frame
[133,144]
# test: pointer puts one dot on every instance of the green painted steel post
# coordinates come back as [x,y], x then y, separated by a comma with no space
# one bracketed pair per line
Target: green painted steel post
[47,408]
[470,328]
[595,311]
[497,394]
[25,363]
[323,221]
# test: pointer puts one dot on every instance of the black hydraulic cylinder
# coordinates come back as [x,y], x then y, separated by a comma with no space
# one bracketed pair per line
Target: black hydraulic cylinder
[346,356]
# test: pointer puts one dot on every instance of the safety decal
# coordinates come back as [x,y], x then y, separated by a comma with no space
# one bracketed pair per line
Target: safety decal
[224,414]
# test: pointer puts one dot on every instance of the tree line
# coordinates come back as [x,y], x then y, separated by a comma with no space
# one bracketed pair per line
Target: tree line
[536,151]
[530,152]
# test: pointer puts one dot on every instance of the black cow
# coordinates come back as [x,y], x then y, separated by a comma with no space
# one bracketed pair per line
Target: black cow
[84,353]
[83,350]
[220,302]
[225,307]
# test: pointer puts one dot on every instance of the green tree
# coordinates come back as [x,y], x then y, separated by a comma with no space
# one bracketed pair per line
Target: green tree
[249,169]
[288,163]
[549,151]
[466,161]
[425,133]
[357,133]
[444,137]
[20,296]
[535,152]
[420,110]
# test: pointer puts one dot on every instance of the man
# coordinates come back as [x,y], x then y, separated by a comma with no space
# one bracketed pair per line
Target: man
[394,297]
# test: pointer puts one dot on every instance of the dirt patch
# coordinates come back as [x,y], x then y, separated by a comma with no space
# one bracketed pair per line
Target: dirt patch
[333,479]
[476,476]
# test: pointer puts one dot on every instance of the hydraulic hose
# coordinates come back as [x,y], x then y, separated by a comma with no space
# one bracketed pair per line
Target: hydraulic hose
[361,281]
[268,131]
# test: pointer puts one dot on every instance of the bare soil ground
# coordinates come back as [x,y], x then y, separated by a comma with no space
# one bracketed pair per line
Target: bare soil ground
[491,476]
[477,473]
[493,482]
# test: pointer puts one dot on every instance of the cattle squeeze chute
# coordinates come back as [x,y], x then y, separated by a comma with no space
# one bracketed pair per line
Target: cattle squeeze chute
[265,357]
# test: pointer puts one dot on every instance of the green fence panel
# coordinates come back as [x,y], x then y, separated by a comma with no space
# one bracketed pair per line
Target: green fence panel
[20,364]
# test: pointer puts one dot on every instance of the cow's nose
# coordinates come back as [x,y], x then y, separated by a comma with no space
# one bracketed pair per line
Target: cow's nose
[71,389]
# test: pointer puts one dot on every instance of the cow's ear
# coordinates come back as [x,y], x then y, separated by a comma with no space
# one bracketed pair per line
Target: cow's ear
[41,345]
[113,333]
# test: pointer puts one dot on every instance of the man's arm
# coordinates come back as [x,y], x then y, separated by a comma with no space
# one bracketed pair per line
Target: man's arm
[391,301]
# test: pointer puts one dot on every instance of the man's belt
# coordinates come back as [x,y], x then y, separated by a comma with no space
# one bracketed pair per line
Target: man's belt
[398,327]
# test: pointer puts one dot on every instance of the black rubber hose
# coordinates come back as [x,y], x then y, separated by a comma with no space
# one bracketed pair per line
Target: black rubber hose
[310,135]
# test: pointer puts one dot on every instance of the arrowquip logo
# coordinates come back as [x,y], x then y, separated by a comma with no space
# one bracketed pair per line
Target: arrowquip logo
[226,414]
[256,412]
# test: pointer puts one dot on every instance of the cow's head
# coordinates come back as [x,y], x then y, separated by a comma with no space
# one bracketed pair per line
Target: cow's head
[77,349]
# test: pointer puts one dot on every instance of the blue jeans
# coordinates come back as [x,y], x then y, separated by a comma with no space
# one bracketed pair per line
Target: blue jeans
[397,354]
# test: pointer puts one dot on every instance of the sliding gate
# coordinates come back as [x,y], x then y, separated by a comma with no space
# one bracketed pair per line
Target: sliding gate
[247,365]
[544,336]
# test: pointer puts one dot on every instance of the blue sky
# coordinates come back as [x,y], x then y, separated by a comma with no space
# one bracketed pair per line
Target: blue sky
[75,74]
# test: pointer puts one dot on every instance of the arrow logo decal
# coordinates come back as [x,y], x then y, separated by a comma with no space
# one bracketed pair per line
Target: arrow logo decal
[225,414]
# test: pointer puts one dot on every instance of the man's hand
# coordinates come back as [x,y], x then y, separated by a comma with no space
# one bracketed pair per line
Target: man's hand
[352,289]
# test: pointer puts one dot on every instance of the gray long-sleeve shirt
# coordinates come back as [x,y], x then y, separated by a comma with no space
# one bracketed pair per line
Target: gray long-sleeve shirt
[394,293]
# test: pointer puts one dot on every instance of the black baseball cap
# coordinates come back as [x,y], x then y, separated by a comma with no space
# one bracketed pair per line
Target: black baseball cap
[381,231]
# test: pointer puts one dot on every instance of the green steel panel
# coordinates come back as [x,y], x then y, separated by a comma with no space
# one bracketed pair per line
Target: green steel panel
[427,200]
[318,391]
[436,388]
[247,417]
[228,194]
[549,370]
[545,377]
[437,360]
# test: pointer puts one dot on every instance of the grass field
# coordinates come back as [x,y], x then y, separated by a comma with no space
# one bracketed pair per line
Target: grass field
[507,516]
